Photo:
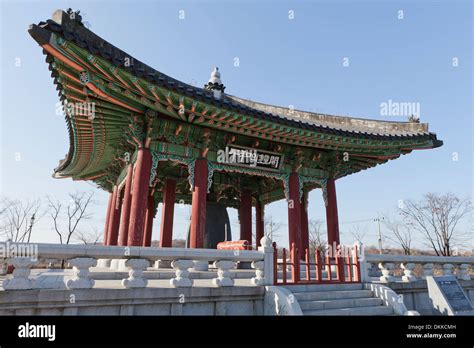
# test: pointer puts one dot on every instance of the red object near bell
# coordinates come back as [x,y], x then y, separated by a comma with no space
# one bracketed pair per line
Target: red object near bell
[234,245]
[10,269]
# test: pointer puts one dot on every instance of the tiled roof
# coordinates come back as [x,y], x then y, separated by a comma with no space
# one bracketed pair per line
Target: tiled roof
[73,29]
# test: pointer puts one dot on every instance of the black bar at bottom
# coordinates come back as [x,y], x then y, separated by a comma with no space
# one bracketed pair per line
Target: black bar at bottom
[380,331]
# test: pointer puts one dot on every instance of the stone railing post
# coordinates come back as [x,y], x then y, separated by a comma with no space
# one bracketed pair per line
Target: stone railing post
[427,270]
[386,268]
[224,276]
[408,268]
[268,263]
[135,274]
[182,279]
[80,269]
[365,270]
[20,278]
[463,272]
[448,269]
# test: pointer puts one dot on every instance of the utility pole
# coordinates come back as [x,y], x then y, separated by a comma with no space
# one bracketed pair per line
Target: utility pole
[271,228]
[32,221]
[380,234]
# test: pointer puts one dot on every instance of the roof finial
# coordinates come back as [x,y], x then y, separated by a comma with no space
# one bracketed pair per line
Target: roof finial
[215,84]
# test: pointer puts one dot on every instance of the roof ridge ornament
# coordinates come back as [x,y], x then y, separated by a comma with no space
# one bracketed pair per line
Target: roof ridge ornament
[414,119]
[68,16]
[215,84]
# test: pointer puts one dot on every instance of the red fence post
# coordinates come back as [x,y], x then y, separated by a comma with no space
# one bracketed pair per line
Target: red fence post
[308,269]
[295,261]
[284,265]
[349,266]
[340,269]
[328,267]
[319,275]
[275,263]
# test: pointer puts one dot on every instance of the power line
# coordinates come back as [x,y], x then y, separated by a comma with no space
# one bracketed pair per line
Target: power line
[353,222]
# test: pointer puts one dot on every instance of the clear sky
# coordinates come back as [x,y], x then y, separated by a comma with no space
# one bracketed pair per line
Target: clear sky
[289,53]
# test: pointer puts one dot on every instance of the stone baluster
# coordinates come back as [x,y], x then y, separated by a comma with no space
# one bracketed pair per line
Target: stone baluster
[427,270]
[135,274]
[182,279]
[448,269]
[408,275]
[463,272]
[224,276]
[20,278]
[259,278]
[386,268]
[80,269]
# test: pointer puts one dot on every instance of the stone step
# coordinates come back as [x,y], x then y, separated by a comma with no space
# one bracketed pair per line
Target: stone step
[371,310]
[323,287]
[344,303]
[332,295]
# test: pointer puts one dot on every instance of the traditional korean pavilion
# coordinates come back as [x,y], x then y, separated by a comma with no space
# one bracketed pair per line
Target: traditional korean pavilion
[148,138]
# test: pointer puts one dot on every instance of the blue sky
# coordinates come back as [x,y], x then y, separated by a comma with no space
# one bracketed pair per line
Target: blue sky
[282,61]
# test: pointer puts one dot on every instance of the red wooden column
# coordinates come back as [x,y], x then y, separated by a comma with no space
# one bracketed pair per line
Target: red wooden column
[150,212]
[331,214]
[259,223]
[140,190]
[167,213]
[294,211]
[107,218]
[125,214]
[198,209]
[246,216]
[304,225]
[114,221]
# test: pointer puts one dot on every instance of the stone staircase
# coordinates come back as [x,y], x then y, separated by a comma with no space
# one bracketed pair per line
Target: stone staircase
[338,299]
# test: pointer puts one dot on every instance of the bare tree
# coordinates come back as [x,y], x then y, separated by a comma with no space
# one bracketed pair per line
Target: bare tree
[359,232]
[400,234]
[19,218]
[271,227]
[73,213]
[437,217]
[4,203]
[317,236]
[93,237]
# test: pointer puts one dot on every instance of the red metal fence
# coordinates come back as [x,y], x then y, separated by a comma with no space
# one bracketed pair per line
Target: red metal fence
[346,267]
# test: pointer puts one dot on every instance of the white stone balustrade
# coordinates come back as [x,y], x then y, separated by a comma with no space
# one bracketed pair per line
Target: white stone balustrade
[80,268]
[135,274]
[259,278]
[386,268]
[460,266]
[427,270]
[408,268]
[137,260]
[463,272]
[224,276]
[448,269]
[182,279]
[20,277]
